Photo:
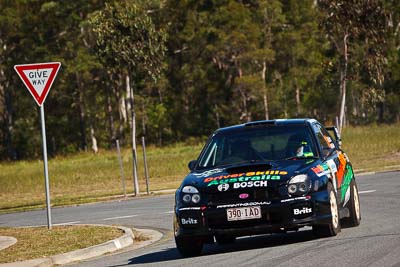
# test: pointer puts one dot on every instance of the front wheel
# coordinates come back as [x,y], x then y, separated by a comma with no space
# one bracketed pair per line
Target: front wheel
[189,247]
[333,228]
[354,207]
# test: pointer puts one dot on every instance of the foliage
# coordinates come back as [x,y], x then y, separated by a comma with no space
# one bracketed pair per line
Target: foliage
[126,36]
[194,66]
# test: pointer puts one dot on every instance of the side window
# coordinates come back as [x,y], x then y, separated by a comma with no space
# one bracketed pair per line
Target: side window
[324,140]
[328,138]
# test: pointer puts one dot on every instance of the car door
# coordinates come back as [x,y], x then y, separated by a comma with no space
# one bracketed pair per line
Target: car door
[334,158]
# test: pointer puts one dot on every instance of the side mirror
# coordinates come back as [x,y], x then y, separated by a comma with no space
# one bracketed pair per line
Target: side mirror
[192,164]
[336,134]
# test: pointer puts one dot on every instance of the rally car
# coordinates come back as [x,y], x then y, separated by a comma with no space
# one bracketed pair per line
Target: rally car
[265,177]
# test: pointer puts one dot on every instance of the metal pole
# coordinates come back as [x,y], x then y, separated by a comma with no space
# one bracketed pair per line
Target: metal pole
[46,169]
[145,165]
[121,168]
[135,171]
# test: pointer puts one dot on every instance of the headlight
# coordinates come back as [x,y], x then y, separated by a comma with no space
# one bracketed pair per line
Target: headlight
[189,189]
[191,194]
[299,185]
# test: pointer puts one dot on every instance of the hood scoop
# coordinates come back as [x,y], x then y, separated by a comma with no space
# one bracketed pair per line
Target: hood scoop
[249,168]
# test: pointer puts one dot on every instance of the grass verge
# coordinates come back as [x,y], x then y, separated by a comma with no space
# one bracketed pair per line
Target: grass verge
[86,177]
[38,242]
[374,147]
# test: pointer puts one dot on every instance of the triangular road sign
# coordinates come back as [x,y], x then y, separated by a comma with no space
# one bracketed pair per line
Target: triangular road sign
[38,78]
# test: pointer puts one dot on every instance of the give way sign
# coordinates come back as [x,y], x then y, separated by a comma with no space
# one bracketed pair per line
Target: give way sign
[38,78]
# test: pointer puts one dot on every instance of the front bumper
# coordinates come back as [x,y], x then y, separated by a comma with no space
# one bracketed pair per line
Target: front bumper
[278,215]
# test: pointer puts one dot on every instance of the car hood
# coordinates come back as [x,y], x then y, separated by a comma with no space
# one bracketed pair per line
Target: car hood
[248,175]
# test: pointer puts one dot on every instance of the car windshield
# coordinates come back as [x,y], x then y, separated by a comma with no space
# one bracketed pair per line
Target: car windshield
[258,144]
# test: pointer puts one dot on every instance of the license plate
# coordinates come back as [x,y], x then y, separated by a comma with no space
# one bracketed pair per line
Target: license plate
[245,213]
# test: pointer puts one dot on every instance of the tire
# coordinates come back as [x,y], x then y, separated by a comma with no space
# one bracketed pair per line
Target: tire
[353,206]
[188,246]
[333,228]
[225,239]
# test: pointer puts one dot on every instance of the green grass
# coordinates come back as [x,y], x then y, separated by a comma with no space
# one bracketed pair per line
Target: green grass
[86,177]
[38,242]
[373,148]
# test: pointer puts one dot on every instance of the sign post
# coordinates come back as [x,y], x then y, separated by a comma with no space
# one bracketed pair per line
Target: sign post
[38,79]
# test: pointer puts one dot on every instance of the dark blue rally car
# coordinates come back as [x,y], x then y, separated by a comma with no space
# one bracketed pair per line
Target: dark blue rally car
[265,177]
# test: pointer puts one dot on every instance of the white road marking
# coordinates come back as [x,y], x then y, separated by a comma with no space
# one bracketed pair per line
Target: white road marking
[119,217]
[366,192]
[169,212]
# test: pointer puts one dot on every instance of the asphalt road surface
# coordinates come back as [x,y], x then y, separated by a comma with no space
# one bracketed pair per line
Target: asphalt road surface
[376,242]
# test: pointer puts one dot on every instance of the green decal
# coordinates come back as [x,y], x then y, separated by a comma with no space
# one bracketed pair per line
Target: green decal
[347,179]
[245,179]
[213,183]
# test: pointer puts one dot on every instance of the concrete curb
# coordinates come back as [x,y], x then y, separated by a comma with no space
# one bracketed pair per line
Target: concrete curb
[108,247]
[7,241]
[153,235]
[124,241]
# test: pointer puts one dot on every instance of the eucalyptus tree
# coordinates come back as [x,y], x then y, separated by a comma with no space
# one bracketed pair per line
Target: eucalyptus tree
[351,23]
[127,39]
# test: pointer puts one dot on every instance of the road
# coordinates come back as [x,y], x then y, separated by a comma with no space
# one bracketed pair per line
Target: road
[375,242]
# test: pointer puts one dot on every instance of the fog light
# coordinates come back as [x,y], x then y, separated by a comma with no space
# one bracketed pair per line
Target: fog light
[187,198]
[292,188]
[302,187]
[196,198]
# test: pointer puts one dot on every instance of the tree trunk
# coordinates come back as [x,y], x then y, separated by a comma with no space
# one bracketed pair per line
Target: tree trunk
[245,114]
[133,124]
[110,119]
[8,124]
[122,117]
[343,79]
[82,113]
[94,140]
[298,100]
[265,95]
[128,102]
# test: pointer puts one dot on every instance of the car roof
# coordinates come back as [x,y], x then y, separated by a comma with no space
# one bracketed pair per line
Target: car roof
[266,123]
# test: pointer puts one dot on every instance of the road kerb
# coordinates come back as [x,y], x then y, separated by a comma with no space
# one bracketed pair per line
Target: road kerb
[7,241]
[42,262]
[153,235]
[108,247]
[127,239]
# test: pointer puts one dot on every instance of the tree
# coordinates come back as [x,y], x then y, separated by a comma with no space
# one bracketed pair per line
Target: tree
[127,38]
[348,23]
